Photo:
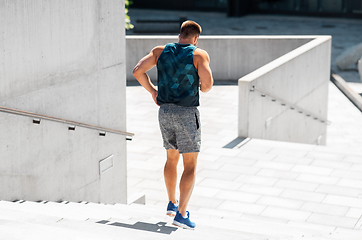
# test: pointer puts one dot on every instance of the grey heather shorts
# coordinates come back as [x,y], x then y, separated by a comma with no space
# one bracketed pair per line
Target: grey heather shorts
[180,128]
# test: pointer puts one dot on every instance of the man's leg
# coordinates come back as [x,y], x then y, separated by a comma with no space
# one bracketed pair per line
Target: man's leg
[187,180]
[170,174]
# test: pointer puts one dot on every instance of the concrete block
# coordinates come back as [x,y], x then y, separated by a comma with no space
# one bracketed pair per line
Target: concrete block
[338,221]
[200,201]
[289,152]
[332,164]
[349,57]
[357,167]
[325,156]
[354,213]
[282,106]
[259,180]
[237,160]
[343,201]
[226,185]
[291,159]
[305,177]
[350,183]
[277,174]
[259,189]
[289,214]
[246,208]
[291,184]
[312,170]
[280,202]
[325,209]
[238,196]
[218,174]
[205,191]
[255,155]
[274,165]
[236,52]
[340,190]
[303,195]
[241,169]
[65,62]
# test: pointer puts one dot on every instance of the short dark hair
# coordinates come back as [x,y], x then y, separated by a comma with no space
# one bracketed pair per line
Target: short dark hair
[190,29]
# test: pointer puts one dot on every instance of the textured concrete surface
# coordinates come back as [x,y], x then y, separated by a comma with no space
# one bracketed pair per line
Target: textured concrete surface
[64,59]
[232,56]
[282,106]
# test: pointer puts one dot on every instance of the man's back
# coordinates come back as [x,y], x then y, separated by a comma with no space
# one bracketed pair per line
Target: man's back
[178,80]
[183,70]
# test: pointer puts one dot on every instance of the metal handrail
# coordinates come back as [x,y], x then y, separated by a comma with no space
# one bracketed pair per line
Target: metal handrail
[291,105]
[65,121]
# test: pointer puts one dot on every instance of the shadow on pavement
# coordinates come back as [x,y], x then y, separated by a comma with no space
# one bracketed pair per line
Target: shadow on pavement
[159,227]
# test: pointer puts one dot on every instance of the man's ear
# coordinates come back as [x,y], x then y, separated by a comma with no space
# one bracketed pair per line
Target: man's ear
[179,37]
[196,39]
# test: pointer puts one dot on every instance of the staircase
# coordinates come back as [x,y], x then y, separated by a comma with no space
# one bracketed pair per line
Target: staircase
[69,220]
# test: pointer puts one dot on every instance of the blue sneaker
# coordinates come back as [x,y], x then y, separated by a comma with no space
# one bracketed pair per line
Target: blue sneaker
[172,209]
[180,221]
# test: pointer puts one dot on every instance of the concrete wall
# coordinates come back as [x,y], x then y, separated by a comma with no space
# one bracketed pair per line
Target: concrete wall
[299,79]
[66,59]
[295,69]
[231,56]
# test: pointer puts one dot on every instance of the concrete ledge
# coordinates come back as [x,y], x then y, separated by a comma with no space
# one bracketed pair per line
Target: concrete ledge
[277,101]
[138,198]
[231,56]
[354,97]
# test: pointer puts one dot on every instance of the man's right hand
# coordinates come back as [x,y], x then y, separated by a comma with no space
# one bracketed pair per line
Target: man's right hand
[154,96]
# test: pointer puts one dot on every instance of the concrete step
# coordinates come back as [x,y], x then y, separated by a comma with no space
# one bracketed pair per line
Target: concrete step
[136,220]
[130,214]
[39,226]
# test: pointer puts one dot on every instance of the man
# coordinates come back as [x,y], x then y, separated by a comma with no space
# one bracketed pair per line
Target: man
[183,69]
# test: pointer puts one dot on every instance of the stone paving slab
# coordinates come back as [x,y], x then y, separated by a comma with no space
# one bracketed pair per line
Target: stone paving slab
[267,180]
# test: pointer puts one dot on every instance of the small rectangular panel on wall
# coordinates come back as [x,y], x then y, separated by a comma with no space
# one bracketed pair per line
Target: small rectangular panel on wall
[105,164]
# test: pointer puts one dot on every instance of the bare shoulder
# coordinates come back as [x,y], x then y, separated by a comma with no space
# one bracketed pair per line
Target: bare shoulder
[157,50]
[202,54]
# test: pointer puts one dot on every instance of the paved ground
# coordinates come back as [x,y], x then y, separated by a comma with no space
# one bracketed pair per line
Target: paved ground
[287,183]
[260,178]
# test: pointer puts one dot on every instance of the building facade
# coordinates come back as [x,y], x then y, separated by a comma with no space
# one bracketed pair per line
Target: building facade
[328,8]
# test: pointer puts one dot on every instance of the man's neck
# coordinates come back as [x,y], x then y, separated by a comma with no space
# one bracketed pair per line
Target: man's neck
[185,41]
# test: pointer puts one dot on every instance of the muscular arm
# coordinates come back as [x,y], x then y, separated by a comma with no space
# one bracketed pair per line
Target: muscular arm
[145,64]
[204,70]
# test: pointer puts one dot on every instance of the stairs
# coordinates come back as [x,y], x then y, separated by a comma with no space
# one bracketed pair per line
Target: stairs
[69,220]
